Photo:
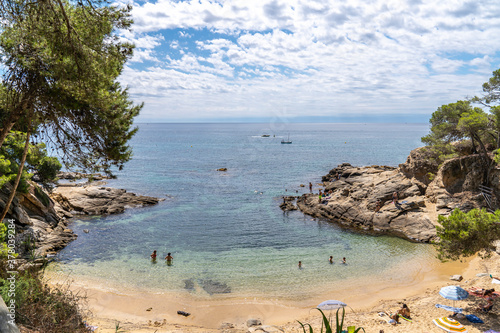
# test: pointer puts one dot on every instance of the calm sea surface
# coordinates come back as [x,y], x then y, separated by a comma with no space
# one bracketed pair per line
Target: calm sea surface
[225,229]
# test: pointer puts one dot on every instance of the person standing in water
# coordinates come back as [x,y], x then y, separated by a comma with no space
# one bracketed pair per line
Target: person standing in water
[343,261]
[331,260]
[300,264]
[169,258]
[153,256]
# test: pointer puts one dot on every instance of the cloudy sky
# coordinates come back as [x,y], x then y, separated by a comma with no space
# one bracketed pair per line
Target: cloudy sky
[308,60]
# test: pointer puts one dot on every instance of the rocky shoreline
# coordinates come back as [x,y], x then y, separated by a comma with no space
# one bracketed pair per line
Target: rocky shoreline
[362,197]
[41,220]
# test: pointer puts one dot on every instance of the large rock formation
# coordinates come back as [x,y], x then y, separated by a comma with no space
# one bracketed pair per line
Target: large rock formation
[96,200]
[41,221]
[362,197]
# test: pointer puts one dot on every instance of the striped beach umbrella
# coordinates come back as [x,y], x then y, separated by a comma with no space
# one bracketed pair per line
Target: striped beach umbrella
[449,325]
[454,293]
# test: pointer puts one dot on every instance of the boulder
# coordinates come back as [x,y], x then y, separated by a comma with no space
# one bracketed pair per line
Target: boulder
[253,322]
[456,278]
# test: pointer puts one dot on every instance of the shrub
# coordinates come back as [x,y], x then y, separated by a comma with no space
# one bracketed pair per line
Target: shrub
[327,326]
[42,308]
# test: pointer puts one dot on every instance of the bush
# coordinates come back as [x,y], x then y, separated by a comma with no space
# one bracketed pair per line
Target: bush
[465,234]
[44,309]
[327,326]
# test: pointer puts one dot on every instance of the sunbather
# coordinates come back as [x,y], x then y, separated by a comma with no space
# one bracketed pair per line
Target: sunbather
[404,311]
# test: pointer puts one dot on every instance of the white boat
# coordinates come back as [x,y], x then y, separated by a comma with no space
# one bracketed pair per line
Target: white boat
[287,142]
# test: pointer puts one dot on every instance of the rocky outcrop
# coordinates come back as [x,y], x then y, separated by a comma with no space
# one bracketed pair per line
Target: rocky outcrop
[362,197]
[41,221]
[287,204]
[96,200]
[38,226]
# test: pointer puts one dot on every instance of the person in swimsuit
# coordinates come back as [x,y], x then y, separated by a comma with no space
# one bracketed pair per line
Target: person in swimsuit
[153,255]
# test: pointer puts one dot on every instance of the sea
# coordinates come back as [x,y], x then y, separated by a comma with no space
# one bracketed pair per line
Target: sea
[225,230]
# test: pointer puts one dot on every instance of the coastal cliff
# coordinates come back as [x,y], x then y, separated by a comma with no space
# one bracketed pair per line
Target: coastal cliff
[41,220]
[362,197]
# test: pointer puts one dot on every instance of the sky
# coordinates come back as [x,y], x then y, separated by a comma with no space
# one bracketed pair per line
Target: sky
[308,60]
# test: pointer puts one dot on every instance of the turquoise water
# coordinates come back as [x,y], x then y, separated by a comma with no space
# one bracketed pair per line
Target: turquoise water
[225,229]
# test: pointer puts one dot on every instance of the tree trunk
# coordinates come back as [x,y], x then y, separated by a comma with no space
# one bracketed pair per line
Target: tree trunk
[8,124]
[5,131]
[19,172]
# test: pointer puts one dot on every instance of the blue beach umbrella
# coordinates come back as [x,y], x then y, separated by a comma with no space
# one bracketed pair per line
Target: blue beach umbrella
[455,293]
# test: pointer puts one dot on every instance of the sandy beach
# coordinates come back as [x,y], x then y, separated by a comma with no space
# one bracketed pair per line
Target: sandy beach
[143,311]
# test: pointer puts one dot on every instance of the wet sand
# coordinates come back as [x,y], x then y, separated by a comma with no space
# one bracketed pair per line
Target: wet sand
[147,311]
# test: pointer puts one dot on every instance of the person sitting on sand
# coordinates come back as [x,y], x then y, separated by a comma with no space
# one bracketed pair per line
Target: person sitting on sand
[331,260]
[404,311]
[169,258]
[153,255]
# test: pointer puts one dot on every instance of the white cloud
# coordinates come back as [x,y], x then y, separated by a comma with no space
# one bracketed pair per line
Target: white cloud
[309,57]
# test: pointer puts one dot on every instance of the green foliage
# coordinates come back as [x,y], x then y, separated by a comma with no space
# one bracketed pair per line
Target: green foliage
[37,162]
[491,90]
[66,73]
[496,155]
[444,122]
[326,325]
[4,250]
[464,234]
[47,309]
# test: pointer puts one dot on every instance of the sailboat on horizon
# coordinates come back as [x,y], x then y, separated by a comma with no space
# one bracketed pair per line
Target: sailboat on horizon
[287,142]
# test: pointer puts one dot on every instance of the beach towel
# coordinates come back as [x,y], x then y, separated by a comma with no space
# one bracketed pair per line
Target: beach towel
[449,308]
[495,281]
[474,319]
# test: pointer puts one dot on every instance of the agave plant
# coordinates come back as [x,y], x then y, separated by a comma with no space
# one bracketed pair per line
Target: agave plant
[326,326]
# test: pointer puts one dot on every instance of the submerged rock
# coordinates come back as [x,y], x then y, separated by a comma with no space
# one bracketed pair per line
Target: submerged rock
[214,287]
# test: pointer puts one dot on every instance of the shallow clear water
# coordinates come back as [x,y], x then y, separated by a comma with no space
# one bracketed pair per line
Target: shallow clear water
[225,229]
